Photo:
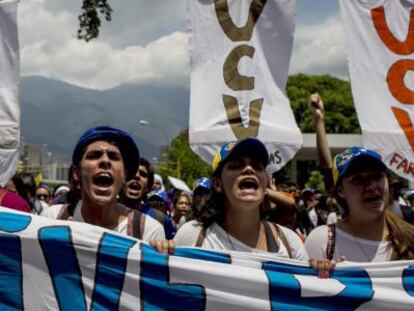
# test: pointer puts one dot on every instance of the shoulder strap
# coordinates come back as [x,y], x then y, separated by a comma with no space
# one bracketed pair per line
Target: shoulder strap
[284,240]
[136,224]
[330,247]
[160,216]
[64,212]
[272,246]
[201,237]
[2,194]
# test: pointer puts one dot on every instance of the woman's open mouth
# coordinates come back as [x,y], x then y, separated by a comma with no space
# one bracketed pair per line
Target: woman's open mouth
[249,184]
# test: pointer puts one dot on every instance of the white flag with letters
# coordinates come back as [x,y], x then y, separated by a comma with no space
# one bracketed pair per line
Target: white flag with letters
[380,42]
[240,52]
[9,87]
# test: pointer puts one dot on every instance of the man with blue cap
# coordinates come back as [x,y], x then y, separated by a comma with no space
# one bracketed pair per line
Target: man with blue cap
[104,158]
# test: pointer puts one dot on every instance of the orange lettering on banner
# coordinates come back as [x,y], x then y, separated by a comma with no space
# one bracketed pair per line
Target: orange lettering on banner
[397,72]
[405,122]
[405,47]
[395,80]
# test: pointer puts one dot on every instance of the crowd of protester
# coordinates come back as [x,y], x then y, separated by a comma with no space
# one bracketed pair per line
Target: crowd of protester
[365,214]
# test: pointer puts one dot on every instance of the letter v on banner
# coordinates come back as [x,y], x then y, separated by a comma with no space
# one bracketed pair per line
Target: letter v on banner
[233,64]
[380,39]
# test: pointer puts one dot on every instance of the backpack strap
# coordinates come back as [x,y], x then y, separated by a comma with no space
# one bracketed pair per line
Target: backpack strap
[64,212]
[330,247]
[272,245]
[136,224]
[201,237]
[160,216]
[282,237]
[67,211]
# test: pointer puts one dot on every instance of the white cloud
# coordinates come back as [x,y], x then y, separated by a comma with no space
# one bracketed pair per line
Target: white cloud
[49,48]
[145,43]
[320,48]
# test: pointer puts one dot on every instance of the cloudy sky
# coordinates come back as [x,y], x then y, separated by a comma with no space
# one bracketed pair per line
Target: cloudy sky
[146,42]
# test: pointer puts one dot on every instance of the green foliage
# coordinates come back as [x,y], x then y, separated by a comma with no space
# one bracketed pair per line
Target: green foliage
[315,181]
[182,162]
[89,21]
[340,115]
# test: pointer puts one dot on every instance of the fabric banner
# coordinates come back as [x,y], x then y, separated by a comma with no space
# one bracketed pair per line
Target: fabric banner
[380,43]
[9,88]
[60,265]
[240,52]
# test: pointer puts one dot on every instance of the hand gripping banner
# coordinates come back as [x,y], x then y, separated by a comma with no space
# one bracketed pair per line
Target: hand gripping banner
[9,88]
[240,52]
[61,265]
[380,42]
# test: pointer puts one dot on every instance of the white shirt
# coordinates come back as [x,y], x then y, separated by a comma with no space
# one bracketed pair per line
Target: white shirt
[217,238]
[153,230]
[353,248]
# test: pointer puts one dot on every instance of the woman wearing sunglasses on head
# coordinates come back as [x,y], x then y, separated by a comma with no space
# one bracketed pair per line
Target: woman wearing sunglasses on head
[230,217]
[369,231]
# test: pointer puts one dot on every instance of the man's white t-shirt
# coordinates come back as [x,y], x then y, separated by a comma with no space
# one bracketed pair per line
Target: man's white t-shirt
[217,238]
[353,248]
[153,230]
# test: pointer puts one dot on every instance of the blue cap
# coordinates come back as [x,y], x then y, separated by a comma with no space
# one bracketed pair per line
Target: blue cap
[251,145]
[342,162]
[125,143]
[202,182]
[161,194]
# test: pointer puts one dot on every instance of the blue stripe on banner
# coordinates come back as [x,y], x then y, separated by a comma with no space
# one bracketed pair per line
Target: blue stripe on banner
[408,280]
[10,222]
[11,280]
[285,291]
[201,254]
[60,256]
[156,291]
[111,266]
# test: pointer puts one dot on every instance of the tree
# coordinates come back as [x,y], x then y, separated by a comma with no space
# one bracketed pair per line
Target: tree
[180,158]
[89,20]
[336,94]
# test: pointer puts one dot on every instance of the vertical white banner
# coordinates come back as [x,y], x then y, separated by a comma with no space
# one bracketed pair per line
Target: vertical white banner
[380,43]
[9,87]
[240,52]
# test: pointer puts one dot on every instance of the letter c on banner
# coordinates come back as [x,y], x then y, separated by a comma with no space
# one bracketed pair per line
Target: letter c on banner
[230,29]
[395,80]
[231,76]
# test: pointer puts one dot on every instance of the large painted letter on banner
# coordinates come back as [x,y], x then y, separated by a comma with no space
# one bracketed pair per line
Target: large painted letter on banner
[240,51]
[380,39]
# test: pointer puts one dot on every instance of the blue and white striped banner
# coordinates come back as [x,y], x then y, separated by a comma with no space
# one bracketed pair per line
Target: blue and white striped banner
[51,264]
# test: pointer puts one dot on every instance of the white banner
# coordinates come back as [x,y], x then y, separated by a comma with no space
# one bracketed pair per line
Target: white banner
[9,89]
[240,52]
[380,42]
[60,265]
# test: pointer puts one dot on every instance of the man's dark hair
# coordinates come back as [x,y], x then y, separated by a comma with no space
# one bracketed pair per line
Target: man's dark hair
[148,166]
